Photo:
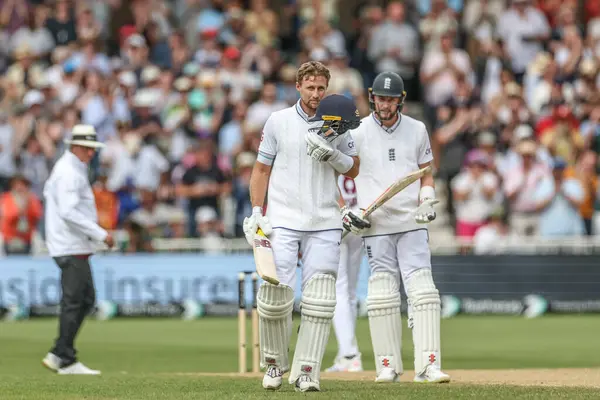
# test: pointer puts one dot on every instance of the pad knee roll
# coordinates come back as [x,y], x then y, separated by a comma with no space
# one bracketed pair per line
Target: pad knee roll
[318,306]
[383,309]
[274,306]
[425,304]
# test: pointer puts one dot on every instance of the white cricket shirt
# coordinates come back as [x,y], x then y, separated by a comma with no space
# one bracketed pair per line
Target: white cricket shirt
[385,156]
[302,192]
[71,216]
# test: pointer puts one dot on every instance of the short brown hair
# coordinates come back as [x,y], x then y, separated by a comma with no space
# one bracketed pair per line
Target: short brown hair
[312,68]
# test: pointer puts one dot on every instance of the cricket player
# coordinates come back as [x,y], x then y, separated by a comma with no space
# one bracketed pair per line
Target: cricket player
[391,145]
[302,149]
[348,357]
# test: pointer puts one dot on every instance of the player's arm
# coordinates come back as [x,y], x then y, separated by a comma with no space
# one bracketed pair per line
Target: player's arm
[347,149]
[259,181]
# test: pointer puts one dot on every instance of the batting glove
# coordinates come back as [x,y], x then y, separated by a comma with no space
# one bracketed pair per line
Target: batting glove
[317,147]
[353,222]
[425,213]
[255,221]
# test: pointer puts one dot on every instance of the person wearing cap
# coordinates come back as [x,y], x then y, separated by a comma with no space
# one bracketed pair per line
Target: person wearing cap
[391,145]
[520,184]
[489,237]
[302,150]
[475,192]
[558,200]
[72,234]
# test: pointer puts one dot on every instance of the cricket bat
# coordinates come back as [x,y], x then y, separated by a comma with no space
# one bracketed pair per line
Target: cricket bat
[263,258]
[393,190]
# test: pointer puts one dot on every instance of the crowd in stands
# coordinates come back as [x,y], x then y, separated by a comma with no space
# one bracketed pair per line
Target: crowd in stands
[179,91]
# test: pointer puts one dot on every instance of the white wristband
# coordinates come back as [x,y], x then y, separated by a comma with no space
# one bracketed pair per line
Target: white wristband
[341,162]
[257,210]
[426,192]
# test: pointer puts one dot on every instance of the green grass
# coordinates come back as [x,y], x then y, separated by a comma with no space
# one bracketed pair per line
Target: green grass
[140,357]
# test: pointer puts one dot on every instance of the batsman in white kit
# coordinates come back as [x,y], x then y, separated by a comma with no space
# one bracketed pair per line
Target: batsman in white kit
[302,150]
[348,358]
[391,145]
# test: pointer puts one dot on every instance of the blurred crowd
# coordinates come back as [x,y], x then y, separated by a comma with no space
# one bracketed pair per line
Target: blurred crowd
[179,91]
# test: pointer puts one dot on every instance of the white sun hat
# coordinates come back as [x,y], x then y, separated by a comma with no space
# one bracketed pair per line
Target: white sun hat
[84,135]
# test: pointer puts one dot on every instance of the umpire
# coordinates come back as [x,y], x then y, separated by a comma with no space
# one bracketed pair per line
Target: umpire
[72,235]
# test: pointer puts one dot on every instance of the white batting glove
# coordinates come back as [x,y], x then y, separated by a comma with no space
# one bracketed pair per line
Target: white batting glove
[353,222]
[317,147]
[425,213]
[255,221]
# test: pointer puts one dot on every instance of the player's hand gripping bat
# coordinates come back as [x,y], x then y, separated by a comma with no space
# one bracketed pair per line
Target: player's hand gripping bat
[393,190]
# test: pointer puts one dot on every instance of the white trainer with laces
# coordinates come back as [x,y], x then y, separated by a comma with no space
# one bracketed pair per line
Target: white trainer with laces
[344,364]
[273,378]
[387,375]
[304,383]
[52,362]
[77,369]
[432,374]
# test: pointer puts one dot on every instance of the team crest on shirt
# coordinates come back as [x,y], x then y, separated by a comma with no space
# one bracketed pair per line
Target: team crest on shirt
[392,154]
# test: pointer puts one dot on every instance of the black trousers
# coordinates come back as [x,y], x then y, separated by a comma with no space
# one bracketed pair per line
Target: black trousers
[78,299]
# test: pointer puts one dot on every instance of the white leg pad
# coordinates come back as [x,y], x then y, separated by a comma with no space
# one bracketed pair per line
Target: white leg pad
[318,306]
[274,306]
[383,309]
[425,304]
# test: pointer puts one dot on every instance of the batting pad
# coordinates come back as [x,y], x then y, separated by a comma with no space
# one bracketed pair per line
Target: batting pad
[426,304]
[383,309]
[274,306]
[318,305]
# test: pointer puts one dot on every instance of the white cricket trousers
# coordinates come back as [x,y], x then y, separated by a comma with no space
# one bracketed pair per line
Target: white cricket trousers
[320,252]
[344,318]
[400,254]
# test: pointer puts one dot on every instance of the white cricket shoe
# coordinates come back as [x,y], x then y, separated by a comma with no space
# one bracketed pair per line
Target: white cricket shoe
[432,374]
[344,364]
[304,383]
[52,362]
[273,378]
[387,375]
[77,369]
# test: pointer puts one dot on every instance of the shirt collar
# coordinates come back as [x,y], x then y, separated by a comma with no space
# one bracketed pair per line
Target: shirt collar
[391,129]
[301,112]
[76,161]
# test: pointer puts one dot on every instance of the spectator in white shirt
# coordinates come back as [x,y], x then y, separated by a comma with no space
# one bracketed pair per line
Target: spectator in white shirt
[491,238]
[520,187]
[441,70]
[259,112]
[474,191]
[523,28]
[150,164]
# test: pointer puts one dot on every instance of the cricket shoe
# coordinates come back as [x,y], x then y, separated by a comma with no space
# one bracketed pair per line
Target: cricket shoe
[304,383]
[387,375]
[273,378]
[52,362]
[77,369]
[432,374]
[345,364]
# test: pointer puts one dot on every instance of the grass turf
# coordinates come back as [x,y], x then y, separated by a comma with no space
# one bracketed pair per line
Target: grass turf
[139,358]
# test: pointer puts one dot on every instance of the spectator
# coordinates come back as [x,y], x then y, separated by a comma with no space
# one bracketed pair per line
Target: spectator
[585,173]
[8,167]
[259,111]
[441,70]
[558,201]
[439,20]
[20,212]
[490,237]
[241,189]
[202,184]
[523,28]
[475,192]
[521,185]
[107,203]
[394,46]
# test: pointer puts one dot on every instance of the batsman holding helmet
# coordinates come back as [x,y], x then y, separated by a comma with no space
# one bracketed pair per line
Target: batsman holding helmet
[302,150]
[391,145]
